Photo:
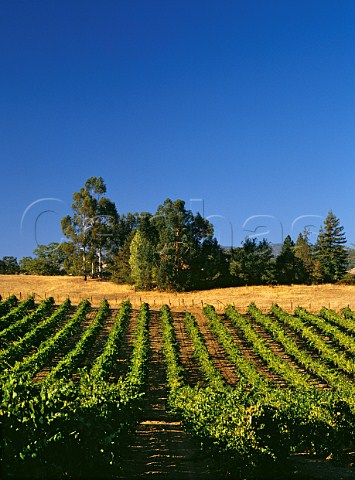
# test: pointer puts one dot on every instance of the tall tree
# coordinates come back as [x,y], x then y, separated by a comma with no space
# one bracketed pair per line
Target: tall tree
[142,261]
[92,225]
[181,236]
[330,250]
[103,231]
[77,227]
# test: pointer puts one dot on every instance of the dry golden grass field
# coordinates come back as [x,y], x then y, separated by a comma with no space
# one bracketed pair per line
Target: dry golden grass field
[312,297]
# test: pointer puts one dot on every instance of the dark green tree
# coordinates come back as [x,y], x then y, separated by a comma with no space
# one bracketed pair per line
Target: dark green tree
[289,268]
[28,266]
[253,263]
[330,251]
[211,267]
[49,260]
[127,223]
[73,261]
[181,237]
[9,265]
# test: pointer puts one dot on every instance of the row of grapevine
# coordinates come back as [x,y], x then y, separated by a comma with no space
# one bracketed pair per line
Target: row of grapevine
[7,304]
[345,321]
[348,313]
[252,422]
[273,361]
[17,329]
[70,426]
[73,420]
[308,333]
[211,373]
[341,384]
[343,339]
[34,337]
[68,364]
[16,313]
[53,344]
[104,363]
[246,369]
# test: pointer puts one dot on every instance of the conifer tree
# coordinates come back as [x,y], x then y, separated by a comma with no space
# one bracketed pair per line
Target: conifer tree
[331,253]
[289,268]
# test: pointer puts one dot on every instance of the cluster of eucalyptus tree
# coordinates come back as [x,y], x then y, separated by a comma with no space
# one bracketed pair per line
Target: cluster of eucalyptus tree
[172,249]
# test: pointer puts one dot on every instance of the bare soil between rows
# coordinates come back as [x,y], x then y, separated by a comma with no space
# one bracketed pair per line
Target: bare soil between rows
[160,447]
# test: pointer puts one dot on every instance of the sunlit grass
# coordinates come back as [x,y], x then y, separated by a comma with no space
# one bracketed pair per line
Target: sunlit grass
[312,297]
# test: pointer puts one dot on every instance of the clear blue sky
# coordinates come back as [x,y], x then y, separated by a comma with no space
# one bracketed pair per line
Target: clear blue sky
[241,108]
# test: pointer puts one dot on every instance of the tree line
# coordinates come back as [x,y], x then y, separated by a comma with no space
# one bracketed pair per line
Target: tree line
[174,249]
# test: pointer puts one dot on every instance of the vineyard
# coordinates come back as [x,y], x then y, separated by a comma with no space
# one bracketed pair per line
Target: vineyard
[102,392]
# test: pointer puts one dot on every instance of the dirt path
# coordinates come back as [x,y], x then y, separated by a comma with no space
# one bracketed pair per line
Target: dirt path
[160,446]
